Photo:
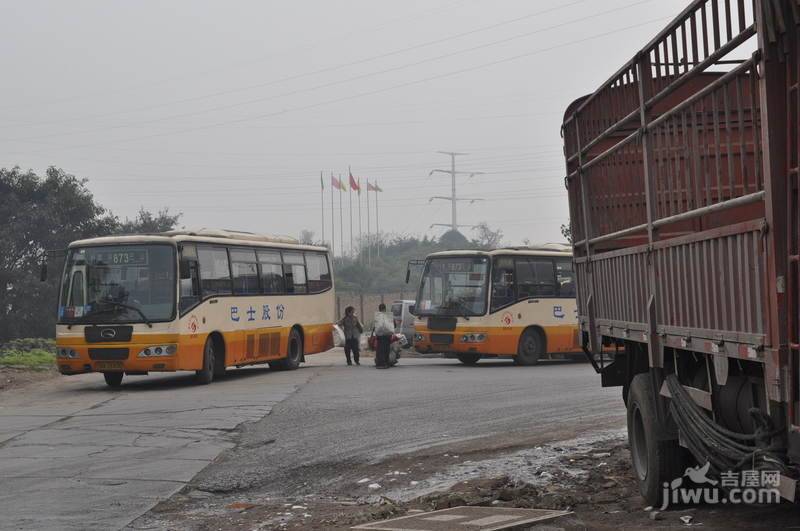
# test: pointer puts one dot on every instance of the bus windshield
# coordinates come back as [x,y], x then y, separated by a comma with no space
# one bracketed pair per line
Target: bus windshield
[453,285]
[118,284]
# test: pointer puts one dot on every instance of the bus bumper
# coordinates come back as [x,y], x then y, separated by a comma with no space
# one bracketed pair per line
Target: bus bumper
[120,357]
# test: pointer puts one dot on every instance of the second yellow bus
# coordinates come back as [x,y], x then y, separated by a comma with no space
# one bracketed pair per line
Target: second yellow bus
[514,302]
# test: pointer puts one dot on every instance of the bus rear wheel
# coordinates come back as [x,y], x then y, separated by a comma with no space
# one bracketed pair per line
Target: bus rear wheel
[113,379]
[530,349]
[469,358]
[294,356]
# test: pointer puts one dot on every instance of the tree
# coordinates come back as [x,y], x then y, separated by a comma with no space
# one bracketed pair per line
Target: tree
[486,238]
[453,239]
[147,223]
[307,237]
[566,231]
[39,214]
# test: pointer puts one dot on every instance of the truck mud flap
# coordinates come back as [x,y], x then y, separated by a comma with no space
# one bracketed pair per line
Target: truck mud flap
[615,373]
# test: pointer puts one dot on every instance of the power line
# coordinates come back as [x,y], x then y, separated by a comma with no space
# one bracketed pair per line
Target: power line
[344,98]
[330,68]
[398,203]
[357,30]
[342,81]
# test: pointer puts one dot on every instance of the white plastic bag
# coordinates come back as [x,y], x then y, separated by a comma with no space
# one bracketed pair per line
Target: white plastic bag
[338,336]
[384,324]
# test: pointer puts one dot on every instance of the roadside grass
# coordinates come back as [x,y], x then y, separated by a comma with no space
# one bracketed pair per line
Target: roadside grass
[28,353]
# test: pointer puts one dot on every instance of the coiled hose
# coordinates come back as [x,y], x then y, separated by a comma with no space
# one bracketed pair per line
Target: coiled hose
[727,450]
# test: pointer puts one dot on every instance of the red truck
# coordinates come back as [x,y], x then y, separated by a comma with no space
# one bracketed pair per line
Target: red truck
[682,173]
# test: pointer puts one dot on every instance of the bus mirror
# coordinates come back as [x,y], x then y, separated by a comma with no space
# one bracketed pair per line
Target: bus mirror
[411,309]
[408,274]
[43,271]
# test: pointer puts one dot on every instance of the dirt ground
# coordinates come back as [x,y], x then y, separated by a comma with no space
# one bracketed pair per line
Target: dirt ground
[591,478]
[14,378]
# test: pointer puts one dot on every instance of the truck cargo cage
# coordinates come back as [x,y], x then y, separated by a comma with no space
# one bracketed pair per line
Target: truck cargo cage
[682,172]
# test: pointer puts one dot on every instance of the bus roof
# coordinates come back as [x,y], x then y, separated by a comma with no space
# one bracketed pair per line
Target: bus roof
[549,249]
[221,237]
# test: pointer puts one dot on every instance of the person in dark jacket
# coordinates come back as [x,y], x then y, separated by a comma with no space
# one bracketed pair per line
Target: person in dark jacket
[352,329]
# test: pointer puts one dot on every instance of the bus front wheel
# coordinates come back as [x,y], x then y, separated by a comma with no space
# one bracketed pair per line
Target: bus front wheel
[469,358]
[531,347]
[206,375]
[113,379]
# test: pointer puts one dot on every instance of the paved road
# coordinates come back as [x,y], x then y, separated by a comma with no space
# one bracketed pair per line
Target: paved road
[74,454]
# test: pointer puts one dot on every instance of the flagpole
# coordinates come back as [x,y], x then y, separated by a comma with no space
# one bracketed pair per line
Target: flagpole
[333,221]
[341,218]
[377,228]
[322,204]
[369,242]
[350,197]
[360,233]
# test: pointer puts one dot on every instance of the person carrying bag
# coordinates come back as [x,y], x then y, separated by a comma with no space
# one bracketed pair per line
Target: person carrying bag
[352,329]
[383,329]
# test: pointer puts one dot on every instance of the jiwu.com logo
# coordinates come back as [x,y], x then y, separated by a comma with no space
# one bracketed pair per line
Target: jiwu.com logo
[694,487]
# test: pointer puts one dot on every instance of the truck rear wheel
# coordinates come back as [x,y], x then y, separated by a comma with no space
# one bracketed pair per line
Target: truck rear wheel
[469,358]
[654,462]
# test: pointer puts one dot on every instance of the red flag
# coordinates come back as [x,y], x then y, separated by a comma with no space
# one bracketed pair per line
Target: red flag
[353,184]
[336,183]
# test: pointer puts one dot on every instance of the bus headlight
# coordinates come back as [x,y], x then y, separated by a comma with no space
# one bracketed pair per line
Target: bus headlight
[156,351]
[67,353]
[473,338]
[419,337]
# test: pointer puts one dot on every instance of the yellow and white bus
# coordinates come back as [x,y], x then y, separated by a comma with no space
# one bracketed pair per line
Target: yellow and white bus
[517,302]
[192,301]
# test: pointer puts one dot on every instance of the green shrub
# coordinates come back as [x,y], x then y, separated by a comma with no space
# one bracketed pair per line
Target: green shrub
[29,352]
[32,359]
[28,344]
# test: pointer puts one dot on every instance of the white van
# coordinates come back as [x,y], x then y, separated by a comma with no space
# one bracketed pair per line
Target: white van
[403,318]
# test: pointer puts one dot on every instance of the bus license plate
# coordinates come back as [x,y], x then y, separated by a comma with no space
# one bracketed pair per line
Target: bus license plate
[107,365]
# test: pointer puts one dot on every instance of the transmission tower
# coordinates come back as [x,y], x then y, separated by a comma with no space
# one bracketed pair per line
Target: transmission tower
[453,197]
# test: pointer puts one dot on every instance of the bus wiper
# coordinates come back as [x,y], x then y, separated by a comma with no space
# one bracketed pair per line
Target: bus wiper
[462,305]
[129,307]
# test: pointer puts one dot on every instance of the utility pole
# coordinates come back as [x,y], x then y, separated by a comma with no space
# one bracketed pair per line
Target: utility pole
[453,197]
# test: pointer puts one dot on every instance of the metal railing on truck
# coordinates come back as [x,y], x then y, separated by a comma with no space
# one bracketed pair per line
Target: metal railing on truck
[682,172]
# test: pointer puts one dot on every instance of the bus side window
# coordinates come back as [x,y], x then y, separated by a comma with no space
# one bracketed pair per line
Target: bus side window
[294,271]
[503,290]
[271,271]
[245,271]
[319,277]
[565,278]
[189,278]
[535,278]
[215,273]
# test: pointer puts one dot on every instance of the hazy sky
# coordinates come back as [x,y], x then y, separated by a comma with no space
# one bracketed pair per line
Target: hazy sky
[228,111]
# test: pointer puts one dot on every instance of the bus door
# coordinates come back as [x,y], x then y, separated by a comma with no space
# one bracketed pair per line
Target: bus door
[75,296]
